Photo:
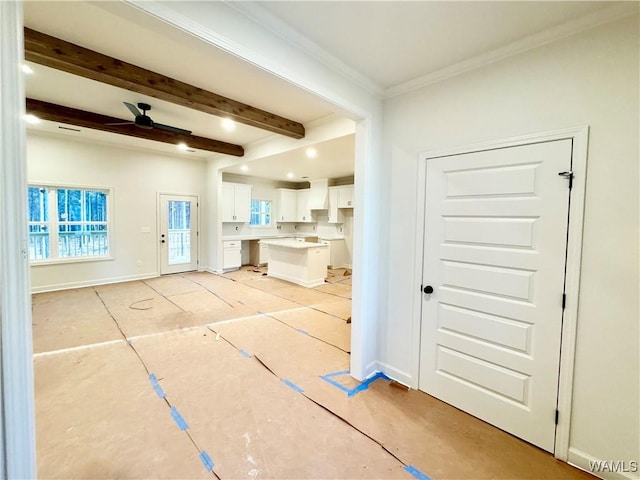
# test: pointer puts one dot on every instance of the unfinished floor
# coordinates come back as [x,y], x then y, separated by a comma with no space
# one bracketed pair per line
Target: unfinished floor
[239,376]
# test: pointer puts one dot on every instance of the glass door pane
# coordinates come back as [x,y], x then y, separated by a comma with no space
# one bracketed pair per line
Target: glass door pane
[179,232]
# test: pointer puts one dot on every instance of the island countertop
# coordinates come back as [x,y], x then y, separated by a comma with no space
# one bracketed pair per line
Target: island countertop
[292,244]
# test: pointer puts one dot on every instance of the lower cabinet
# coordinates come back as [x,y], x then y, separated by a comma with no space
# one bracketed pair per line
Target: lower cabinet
[232,254]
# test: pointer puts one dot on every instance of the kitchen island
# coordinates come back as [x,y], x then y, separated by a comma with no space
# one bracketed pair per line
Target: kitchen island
[304,263]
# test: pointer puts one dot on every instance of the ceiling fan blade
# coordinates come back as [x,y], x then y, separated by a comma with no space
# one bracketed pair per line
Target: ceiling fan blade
[133,109]
[169,128]
[121,123]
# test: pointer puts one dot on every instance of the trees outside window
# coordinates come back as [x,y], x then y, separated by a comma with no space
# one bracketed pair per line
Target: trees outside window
[67,223]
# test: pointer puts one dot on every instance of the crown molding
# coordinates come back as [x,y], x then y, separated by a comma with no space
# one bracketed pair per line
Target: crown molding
[567,29]
[260,15]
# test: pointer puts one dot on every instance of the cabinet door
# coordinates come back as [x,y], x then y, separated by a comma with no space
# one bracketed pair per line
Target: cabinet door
[335,215]
[287,202]
[228,201]
[242,203]
[304,213]
[345,197]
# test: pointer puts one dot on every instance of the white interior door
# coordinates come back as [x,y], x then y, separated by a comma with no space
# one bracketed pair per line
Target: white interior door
[494,255]
[178,233]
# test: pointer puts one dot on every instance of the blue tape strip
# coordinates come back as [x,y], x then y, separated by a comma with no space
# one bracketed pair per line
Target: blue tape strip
[352,391]
[330,380]
[302,330]
[292,385]
[365,385]
[336,374]
[182,425]
[156,386]
[416,473]
[244,353]
[206,460]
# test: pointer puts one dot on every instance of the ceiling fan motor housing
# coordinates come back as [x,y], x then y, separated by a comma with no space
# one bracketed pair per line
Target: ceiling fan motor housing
[143,121]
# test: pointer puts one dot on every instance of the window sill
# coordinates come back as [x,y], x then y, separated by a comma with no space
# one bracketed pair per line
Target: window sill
[260,226]
[59,261]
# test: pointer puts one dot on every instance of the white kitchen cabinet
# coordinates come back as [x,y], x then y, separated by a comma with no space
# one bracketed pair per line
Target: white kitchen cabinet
[303,214]
[287,205]
[345,196]
[236,202]
[335,215]
[339,256]
[231,255]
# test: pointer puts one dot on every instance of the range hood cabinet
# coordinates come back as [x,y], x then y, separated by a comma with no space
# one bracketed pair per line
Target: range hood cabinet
[319,195]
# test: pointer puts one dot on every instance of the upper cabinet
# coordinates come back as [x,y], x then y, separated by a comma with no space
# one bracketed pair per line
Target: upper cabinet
[303,211]
[287,205]
[236,202]
[345,196]
[334,214]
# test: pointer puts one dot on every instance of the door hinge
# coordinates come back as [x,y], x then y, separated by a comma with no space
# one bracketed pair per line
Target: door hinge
[568,175]
[421,287]
[564,300]
[557,415]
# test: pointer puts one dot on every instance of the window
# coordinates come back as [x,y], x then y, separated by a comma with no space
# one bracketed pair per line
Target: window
[67,223]
[260,213]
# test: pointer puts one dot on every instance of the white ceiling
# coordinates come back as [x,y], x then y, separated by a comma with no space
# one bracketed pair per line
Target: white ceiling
[386,43]
[393,42]
[334,159]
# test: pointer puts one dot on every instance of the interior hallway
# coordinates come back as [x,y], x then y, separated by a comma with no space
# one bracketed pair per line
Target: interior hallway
[239,376]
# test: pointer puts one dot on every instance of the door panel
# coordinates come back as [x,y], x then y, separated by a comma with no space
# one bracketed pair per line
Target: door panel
[178,234]
[494,253]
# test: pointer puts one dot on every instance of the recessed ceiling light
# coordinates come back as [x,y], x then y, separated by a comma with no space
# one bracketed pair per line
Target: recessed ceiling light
[228,124]
[183,147]
[26,69]
[290,175]
[244,168]
[311,152]
[31,119]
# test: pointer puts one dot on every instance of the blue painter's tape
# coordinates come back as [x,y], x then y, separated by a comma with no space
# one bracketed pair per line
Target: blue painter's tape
[365,385]
[182,425]
[244,353]
[416,473]
[352,391]
[301,330]
[206,460]
[292,385]
[156,386]
[328,379]
[336,374]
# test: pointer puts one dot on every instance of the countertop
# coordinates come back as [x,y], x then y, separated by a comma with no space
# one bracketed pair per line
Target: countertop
[271,236]
[267,236]
[292,243]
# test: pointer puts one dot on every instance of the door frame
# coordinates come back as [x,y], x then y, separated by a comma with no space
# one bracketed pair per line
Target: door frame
[159,220]
[580,139]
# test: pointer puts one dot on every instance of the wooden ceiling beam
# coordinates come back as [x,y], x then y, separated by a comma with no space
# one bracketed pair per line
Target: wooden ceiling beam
[68,57]
[80,118]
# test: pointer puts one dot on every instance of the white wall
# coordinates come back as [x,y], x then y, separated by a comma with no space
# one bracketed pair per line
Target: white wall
[136,177]
[589,79]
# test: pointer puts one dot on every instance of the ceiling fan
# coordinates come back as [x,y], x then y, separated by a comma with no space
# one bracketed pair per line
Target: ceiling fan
[143,120]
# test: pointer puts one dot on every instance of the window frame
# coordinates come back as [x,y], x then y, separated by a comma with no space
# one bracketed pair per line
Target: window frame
[263,213]
[53,224]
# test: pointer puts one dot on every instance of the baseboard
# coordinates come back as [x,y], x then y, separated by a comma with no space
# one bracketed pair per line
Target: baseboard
[391,372]
[614,469]
[92,283]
